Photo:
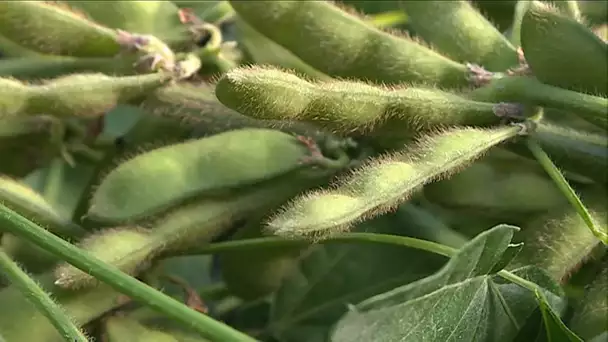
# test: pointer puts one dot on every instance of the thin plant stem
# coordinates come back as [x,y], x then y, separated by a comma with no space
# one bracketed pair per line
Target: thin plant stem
[21,227]
[40,299]
[563,185]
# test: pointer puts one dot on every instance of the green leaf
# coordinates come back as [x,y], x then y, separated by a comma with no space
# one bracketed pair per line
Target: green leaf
[556,329]
[461,302]
[335,275]
[590,314]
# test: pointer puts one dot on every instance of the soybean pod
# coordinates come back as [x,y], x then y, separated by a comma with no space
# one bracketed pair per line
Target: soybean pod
[53,29]
[347,106]
[162,177]
[563,52]
[458,30]
[81,95]
[341,44]
[385,182]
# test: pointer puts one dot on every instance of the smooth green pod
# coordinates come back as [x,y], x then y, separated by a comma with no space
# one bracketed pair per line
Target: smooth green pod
[159,18]
[486,187]
[264,51]
[347,106]
[340,44]
[253,274]
[457,30]
[83,306]
[385,182]
[53,29]
[81,95]
[563,52]
[163,177]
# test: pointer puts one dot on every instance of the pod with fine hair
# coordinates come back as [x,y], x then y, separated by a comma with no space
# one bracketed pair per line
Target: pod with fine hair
[163,177]
[269,93]
[194,223]
[53,29]
[341,44]
[385,182]
[563,52]
[458,30]
[81,95]
[83,306]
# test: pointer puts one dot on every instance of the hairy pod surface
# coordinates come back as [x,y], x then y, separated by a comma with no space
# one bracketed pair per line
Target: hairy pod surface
[82,306]
[560,241]
[112,246]
[457,30]
[340,44]
[385,182]
[51,29]
[269,93]
[563,52]
[165,176]
[10,49]
[81,95]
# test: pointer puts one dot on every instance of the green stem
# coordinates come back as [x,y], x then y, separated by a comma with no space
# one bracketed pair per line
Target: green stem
[40,299]
[278,242]
[528,90]
[16,224]
[565,188]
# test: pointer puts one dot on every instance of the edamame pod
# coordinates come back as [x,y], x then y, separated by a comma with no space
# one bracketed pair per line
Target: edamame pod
[340,44]
[82,95]
[52,67]
[122,329]
[485,187]
[165,176]
[458,30]
[53,29]
[83,306]
[383,183]
[347,106]
[563,52]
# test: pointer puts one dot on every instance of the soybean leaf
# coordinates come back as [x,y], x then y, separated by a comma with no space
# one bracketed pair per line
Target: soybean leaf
[590,317]
[332,276]
[460,302]
[556,329]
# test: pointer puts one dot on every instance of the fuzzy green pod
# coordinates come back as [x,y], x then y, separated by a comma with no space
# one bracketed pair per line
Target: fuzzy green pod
[21,321]
[490,188]
[23,199]
[386,182]
[341,44]
[563,52]
[458,30]
[113,246]
[158,179]
[253,274]
[54,29]
[82,95]
[10,49]
[347,106]
[560,241]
